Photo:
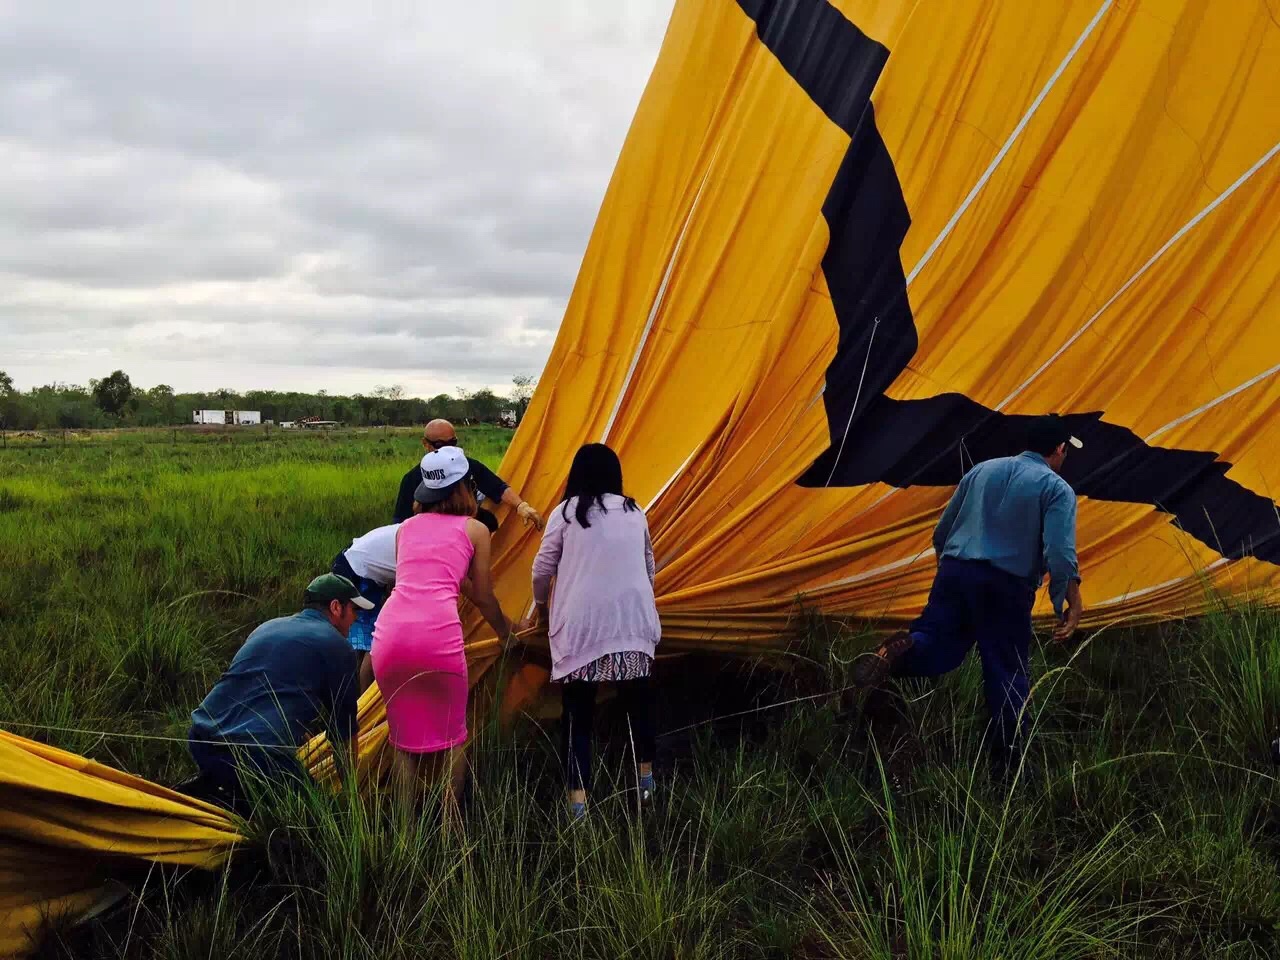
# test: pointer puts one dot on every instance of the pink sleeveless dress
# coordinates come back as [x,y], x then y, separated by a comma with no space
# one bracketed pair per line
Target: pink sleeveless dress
[417,641]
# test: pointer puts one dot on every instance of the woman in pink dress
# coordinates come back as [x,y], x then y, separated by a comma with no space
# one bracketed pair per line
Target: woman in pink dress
[417,655]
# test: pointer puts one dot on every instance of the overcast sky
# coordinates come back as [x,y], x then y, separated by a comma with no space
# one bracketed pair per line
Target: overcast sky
[302,195]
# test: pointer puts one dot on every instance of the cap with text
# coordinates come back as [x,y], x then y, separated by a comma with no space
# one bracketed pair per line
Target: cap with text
[441,470]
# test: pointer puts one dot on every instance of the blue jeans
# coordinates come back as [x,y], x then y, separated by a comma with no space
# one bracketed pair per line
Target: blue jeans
[973,602]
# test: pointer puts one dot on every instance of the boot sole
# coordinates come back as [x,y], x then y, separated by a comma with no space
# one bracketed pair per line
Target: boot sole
[871,670]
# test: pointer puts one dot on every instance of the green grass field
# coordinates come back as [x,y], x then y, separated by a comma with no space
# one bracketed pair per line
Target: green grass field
[135,564]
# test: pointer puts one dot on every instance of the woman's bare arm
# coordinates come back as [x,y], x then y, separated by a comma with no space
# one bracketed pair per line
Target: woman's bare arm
[481,582]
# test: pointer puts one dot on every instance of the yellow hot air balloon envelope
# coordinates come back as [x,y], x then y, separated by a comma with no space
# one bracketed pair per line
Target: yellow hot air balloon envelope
[847,249]
[850,247]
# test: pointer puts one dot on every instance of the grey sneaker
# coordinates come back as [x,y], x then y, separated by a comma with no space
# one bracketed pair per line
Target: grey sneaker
[646,787]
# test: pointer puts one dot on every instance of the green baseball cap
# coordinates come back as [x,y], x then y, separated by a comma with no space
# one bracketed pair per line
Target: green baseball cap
[330,586]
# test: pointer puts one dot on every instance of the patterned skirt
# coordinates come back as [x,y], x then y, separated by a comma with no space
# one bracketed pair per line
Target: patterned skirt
[612,667]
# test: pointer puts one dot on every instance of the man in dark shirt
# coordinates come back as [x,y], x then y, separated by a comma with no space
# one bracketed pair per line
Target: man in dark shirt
[489,486]
[292,677]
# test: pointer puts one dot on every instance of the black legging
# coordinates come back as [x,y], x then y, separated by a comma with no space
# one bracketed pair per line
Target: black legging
[579,699]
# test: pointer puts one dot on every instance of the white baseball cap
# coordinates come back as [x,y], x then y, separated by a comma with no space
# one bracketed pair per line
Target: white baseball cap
[441,470]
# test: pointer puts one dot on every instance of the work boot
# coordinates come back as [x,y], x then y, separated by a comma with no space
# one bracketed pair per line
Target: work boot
[873,668]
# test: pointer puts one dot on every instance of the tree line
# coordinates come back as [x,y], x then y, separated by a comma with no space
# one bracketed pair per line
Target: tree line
[114,401]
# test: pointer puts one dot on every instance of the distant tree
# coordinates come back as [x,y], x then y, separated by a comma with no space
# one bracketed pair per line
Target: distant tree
[161,399]
[462,409]
[64,405]
[392,398]
[414,411]
[114,401]
[151,408]
[522,389]
[15,414]
[265,402]
[368,407]
[442,406]
[112,393]
[485,406]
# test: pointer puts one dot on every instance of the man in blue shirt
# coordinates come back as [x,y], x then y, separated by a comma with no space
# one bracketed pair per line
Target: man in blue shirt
[292,677]
[1010,522]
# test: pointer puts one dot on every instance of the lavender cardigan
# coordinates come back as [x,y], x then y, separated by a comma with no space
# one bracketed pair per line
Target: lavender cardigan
[603,584]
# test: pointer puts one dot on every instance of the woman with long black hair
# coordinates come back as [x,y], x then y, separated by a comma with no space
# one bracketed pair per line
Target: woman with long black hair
[603,624]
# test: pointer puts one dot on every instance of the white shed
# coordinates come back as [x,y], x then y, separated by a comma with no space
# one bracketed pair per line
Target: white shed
[227,418]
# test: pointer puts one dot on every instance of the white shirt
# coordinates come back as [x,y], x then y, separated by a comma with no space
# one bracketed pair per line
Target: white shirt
[373,555]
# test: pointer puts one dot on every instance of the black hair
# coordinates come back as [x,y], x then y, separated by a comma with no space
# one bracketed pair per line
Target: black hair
[1046,434]
[596,470]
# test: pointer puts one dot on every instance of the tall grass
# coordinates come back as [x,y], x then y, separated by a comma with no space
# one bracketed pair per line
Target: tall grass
[134,568]
[1148,824]
[1239,672]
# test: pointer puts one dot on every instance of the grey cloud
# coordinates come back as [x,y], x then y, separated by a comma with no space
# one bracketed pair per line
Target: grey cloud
[307,179]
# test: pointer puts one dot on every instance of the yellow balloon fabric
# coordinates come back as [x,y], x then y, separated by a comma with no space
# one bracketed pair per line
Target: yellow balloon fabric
[805,311]
[849,247]
[68,824]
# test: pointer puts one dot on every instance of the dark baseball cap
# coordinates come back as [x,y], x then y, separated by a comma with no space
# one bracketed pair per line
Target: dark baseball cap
[330,586]
[1049,432]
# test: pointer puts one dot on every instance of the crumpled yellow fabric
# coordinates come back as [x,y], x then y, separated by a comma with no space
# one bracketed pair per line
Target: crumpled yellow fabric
[67,824]
[1092,227]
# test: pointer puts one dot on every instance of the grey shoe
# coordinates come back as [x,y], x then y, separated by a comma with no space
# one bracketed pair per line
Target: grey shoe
[646,788]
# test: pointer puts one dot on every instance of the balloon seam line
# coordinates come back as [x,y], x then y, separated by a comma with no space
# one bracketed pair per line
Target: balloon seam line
[1151,261]
[866,361]
[1010,141]
[657,301]
[1222,398]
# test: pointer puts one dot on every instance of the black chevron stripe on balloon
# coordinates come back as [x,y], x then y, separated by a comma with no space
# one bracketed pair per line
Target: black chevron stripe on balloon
[931,442]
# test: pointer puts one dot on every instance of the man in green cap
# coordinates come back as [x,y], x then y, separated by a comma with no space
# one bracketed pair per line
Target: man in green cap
[292,677]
